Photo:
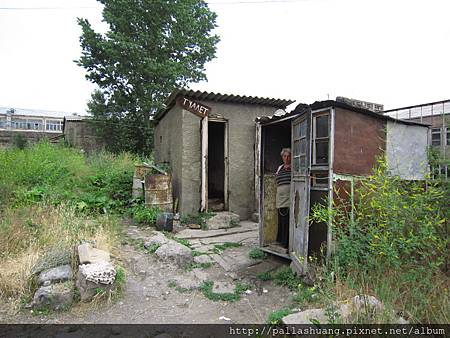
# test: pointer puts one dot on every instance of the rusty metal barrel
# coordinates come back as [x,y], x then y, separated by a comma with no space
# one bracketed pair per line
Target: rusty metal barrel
[158,192]
[139,173]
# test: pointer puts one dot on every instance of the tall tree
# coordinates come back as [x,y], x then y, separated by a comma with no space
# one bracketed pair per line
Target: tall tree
[151,48]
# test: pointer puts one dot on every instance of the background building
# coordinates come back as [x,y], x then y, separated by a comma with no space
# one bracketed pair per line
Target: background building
[437,115]
[32,124]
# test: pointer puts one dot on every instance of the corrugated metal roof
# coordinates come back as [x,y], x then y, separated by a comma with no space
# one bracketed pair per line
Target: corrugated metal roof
[218,97]
[302,108]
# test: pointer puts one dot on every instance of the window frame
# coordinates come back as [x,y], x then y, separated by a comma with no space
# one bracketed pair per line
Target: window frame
[297,137]
[436,131]
[314,138]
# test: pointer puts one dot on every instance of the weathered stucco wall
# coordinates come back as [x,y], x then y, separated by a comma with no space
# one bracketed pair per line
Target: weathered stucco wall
[359,139]
[406,150]
[191,167]
[186,146]
[168,147]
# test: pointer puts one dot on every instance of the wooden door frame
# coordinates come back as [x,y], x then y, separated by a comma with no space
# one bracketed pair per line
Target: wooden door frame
[204,145]
[300,263]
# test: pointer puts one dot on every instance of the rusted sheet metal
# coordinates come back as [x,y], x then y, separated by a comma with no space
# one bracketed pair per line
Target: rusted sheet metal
[359,140]
[158,182]
[158,192]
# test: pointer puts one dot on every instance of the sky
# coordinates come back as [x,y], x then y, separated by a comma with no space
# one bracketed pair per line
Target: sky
[392,52]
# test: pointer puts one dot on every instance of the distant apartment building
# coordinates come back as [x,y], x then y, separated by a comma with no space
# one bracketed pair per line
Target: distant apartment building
[437,116]
[32,124]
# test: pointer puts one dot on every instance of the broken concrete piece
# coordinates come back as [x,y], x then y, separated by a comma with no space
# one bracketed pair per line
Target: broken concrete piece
[100,273]
[203,259]
[157,238]
[55,275]
[175,252]
[95,278]
[306,317]
[57,296]
[223,287]
[222,220]
[88,254]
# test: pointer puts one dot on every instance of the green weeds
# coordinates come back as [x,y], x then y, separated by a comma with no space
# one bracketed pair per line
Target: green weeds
[257,253]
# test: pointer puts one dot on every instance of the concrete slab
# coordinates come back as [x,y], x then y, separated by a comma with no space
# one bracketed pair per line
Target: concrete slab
[245,226]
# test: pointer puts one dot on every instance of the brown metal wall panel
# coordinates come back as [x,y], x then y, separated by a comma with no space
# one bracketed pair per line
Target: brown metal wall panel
[359,140]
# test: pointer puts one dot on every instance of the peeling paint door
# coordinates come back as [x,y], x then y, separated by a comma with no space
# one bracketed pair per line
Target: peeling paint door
[299,209]
[204,160]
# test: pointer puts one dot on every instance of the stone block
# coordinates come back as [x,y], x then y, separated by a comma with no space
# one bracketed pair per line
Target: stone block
[176,252]
[88,254]
[55,275]
[57,296]
[222,220]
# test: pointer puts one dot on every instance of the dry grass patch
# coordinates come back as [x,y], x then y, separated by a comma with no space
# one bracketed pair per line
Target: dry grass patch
[28,233]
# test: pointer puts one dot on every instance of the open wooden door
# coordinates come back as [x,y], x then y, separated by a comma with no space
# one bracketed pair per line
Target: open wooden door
[299,209]
[204,159]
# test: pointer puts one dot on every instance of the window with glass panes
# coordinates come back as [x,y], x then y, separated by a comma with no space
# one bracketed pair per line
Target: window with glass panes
[436,136]
[53,125]
[300,145]
[320,138]
[2,123]
[448,136]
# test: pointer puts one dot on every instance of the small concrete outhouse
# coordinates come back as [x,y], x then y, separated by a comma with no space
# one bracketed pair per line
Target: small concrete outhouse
[333,143]
[209,141]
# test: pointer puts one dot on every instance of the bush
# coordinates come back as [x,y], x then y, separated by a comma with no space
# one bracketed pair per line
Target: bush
[395,242]
[144,215]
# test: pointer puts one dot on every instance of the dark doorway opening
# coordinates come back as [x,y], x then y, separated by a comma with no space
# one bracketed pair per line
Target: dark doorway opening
[216,166]
[275,137]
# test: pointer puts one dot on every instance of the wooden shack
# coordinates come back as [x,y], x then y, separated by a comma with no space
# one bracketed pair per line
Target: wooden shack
[333,143]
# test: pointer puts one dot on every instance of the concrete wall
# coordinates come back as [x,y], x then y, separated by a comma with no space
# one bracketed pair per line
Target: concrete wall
[359,139]
[241,133]
[7,136]
[168,139]
[406,150]
[80,134]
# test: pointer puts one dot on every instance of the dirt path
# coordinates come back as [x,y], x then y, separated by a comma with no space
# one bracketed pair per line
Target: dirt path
[149,298]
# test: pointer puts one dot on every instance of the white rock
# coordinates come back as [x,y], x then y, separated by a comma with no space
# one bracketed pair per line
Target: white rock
[101,272]
[224,318]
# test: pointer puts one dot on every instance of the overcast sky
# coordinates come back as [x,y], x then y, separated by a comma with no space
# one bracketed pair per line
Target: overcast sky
[394,52]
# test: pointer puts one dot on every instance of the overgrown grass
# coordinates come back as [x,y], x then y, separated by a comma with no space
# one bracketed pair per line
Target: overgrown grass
[51,198]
